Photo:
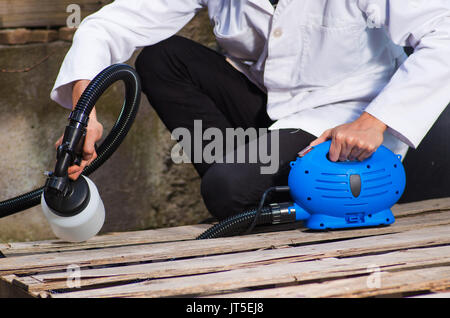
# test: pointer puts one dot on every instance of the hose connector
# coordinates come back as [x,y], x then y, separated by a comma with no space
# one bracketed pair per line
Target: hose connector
[283,213]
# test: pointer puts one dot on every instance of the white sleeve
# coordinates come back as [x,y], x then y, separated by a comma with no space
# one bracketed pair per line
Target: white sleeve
[112,34]
[420,89]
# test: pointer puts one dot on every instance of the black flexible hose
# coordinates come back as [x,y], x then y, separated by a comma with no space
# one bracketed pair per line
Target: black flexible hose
[85,105]
[237,224]
[245,222]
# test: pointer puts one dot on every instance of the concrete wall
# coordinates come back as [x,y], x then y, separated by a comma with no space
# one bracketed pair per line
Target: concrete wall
[140,185]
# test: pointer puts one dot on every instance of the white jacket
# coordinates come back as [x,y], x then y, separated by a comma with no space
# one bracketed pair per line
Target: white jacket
[321,62]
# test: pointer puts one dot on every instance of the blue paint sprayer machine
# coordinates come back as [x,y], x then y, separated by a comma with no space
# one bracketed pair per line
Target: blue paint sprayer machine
[328,195]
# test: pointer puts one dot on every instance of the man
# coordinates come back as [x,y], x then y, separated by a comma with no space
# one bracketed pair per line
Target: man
[309,70]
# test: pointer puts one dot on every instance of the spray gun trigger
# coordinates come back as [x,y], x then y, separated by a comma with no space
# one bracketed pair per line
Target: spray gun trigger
[77,160]
[79,150]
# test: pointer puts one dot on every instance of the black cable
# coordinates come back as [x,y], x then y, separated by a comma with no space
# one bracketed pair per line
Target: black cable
[244,223]
[261,204]
[87,101]
[236,224]
[259,209]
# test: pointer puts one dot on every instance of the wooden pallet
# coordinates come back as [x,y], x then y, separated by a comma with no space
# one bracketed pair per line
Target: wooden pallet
[43,13]
[410,257]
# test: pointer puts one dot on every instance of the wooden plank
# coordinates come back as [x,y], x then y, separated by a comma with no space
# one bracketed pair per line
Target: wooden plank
[219,263]
[283,273]
[53,281]
[42,13]
[188,232]
[164,251]
[9,290]
[414,218]
[66,34]
[407,209]
[434,295]
[14,36]
[178,233]
[393,283]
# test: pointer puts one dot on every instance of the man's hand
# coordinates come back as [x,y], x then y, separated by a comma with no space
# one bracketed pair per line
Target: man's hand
[94,132]
[354,141]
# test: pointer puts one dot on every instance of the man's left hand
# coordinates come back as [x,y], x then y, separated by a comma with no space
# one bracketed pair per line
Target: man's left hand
[354,141]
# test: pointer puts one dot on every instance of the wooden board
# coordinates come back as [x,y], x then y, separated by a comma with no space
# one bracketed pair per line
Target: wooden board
[42,13]
[108,240]
[431,207]
[410,257]
[391,283]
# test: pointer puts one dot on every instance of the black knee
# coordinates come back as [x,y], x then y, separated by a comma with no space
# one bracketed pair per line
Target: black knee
[154,63]
[222,191]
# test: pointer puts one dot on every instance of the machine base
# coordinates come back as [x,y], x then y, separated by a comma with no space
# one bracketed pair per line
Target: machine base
[350,220]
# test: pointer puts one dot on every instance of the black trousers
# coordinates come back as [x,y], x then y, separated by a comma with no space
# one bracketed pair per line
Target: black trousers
[186,82]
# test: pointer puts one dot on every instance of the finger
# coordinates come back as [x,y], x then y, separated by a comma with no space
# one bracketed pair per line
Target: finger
[345,152]
[335,150]
[83,165]
[93,157]
[59,142]
[74,174]
[365,154]
[355,153]
[371,150]
[89,146]
[73,169]
[324,137]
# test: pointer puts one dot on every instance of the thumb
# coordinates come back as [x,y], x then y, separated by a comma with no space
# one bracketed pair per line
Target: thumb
[89,146]
[324,137]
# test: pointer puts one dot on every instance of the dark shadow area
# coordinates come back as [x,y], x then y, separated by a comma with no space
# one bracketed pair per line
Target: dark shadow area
[427,167]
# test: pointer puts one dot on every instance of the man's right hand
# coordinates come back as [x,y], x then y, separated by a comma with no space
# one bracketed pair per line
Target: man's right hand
[94,132]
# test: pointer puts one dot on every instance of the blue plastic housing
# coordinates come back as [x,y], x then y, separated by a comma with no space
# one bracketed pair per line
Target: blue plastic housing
[335,195]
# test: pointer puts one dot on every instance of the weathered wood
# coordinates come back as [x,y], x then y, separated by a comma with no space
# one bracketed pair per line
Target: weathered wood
[14,36]
[407,209]
[66,34]
[192,231]
[168,262]
[43,36]
[22,36]
[42,13]
[392,283]
[173,234]
[278,273]
[219,263]
[9,290]
[434,295]
[164,251]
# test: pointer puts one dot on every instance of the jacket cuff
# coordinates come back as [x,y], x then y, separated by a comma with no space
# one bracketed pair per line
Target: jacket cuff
[397,123]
